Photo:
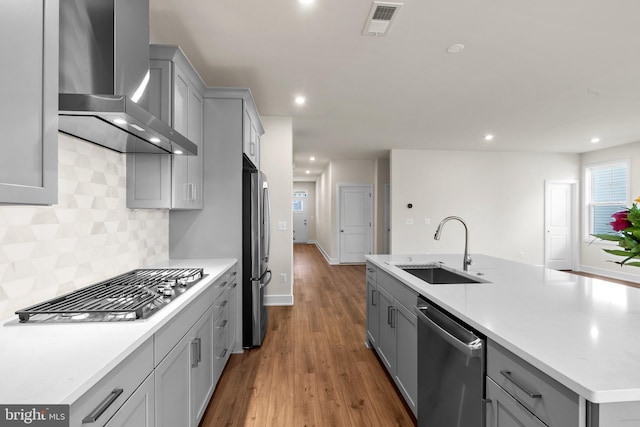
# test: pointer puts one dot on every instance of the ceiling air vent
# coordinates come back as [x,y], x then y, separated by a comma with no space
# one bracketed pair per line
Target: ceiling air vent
[380,18]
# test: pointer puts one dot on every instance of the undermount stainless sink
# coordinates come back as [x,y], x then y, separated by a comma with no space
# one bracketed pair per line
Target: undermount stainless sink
[439,275]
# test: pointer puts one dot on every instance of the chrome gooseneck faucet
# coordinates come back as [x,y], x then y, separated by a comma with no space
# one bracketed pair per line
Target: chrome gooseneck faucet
[466,262]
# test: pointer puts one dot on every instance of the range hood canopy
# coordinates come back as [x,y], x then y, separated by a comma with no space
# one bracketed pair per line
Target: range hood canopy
[104,71]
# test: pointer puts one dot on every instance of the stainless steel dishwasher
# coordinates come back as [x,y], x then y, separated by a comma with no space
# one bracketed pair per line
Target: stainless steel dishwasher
[451,370]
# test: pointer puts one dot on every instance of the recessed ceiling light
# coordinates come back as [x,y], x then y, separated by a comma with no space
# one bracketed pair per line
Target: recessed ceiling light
[455,48]
[488,137]
[300,100]
[313,159]
[119,121]
[307,172]
[306,1]
[154,139]
[595,140]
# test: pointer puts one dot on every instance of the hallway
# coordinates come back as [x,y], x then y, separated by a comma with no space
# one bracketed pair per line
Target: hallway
[313,368]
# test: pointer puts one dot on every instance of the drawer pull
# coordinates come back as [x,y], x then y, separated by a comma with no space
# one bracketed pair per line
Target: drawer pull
[223,284]
[370,270]
[373,295]
[103,406]
[532,394]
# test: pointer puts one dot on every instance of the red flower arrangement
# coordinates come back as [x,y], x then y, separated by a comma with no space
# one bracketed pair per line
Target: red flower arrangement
[626,224]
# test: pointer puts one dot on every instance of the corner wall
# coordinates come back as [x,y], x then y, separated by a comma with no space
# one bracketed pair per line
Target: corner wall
[276,161]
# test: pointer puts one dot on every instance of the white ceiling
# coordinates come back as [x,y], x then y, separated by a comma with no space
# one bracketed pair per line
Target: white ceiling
[542,75]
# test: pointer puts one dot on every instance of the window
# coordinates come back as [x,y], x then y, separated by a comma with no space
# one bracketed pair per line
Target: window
[297,206]
[607,192]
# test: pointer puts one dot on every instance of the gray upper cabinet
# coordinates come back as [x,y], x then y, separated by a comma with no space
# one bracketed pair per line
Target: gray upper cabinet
[252,129]
[175,96]
[29,106]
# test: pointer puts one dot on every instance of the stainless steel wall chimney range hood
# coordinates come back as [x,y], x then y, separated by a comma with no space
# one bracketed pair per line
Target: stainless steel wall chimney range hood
[104,70]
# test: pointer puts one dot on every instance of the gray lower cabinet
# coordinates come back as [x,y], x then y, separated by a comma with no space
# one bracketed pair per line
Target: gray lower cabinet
[139,409]
[29,106]
[373,300]
[395,333]
[169,380]
[174,95]
[505,411]
[522,395]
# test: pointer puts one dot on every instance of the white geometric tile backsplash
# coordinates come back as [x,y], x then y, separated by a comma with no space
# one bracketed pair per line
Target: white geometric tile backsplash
[89,236]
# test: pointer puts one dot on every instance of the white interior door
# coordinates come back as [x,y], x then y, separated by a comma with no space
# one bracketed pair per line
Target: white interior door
[559,225]
[300,218]
[355,234]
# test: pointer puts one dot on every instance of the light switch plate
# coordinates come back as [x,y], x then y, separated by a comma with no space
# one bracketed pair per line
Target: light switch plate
[282,225]
[409,221]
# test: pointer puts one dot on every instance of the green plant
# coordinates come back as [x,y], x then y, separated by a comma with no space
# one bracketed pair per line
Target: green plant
[626,224]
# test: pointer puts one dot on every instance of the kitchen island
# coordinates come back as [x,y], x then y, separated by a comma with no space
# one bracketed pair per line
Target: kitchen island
[579,331]
[78,364]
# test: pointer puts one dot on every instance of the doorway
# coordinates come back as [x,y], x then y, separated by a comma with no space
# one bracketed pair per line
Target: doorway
[560,222]
[300,217]
[355,230]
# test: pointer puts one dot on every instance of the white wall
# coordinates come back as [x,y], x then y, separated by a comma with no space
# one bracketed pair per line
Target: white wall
[310,188]
[593,259]
[276,161]
[338,172]
[89,236]
[500,195]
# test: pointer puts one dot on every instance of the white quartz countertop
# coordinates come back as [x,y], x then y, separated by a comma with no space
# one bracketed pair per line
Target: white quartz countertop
[581,331]
[56,363]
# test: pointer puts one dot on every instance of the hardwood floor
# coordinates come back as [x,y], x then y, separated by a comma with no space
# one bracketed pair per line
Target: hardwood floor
[313,368]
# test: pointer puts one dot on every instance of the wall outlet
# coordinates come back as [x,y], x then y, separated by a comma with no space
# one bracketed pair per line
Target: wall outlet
[283,277]
[427,221]
[521,254]
[282,225]
[409,221]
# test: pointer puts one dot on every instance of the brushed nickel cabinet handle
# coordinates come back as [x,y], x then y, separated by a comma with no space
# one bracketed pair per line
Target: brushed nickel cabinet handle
[532,394]
[103,406]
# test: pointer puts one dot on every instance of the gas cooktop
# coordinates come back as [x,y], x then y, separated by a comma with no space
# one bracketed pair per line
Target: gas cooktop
[134,295]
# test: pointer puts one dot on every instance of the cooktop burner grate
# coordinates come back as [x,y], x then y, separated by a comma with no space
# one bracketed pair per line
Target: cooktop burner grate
[129,296]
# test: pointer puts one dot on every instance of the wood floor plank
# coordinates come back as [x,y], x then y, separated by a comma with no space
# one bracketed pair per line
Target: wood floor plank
[313,369]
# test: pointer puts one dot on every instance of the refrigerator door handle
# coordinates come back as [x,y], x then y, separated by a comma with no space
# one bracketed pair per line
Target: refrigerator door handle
[265,281]
[266,219]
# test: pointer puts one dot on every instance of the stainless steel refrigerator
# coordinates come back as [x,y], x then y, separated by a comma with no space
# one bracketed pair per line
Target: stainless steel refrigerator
[256,238]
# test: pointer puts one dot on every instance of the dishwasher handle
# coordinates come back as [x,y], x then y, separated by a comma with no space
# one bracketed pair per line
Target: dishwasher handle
[471,347]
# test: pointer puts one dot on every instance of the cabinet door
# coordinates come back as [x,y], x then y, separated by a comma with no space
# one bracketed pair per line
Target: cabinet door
[149,175]
[187,170]
[202,374]
[249,137]
[372,312]
[29,106]
[387,330]
[504,411]
[139,409]
[172,378]
[407,355]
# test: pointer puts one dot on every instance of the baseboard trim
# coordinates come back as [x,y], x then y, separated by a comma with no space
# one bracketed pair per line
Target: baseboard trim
[620,275]
[331,261]
[278,300]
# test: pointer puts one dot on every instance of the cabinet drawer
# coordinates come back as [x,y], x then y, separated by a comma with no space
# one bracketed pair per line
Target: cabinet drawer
[371,272]
[405,295]
[545,397]
[223,283]
[108,395]
[505,410]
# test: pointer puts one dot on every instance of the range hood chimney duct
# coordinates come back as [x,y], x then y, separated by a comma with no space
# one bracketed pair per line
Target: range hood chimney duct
[104,70]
